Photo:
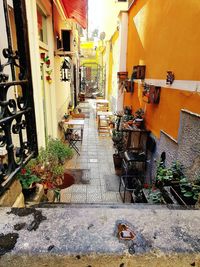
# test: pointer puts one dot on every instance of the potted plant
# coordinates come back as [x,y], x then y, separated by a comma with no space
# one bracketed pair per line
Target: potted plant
[28,181]
[169,176]
[139,117]
[49,165]
[127,110]
[177,171]
[164,175]
[117,138]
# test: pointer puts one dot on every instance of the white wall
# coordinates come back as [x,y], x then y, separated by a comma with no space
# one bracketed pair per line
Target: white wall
[63,93]
[123,38]
[51,89]
[35,65]
[115,69]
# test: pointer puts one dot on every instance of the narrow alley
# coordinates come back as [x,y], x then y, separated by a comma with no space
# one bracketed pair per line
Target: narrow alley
[99,133]
[96,163]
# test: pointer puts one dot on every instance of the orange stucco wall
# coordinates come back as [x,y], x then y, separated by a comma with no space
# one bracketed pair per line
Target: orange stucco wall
[164,35]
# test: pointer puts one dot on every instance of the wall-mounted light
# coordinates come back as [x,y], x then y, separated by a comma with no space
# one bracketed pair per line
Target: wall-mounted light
[65,71]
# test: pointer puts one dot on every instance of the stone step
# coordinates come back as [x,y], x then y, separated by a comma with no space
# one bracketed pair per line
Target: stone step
[92,235]
[136,206]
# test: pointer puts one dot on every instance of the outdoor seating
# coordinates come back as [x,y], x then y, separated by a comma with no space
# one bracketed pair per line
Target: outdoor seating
[103,119]
[72,136]
[102,105]
[134,162]
[73,132]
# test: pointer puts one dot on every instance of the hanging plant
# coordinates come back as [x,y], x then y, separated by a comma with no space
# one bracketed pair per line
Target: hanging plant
[47,62]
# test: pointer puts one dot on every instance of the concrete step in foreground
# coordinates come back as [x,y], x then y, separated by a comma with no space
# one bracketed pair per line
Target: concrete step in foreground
[91,235]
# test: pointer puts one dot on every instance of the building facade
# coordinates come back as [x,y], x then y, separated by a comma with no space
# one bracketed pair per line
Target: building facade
[160,38]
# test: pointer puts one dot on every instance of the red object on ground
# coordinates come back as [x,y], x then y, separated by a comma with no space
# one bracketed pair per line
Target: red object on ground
[76,9]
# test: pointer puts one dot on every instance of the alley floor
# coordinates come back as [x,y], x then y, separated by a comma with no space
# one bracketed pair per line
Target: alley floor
[96,160]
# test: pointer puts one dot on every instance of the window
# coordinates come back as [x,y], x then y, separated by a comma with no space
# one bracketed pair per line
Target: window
[66,40]
[42,25]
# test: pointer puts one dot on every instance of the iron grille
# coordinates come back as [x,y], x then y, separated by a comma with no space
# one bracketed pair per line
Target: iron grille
[18,139]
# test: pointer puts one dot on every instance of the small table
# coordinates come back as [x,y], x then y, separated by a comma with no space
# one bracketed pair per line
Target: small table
[70,130]
[75,124]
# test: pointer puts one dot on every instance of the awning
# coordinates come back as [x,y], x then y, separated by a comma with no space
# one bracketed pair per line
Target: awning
[76,9]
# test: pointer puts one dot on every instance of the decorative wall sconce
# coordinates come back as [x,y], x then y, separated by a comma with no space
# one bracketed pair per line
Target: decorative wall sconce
[65,71]
[139,72]
[170,78]
[151,94]
[124,82]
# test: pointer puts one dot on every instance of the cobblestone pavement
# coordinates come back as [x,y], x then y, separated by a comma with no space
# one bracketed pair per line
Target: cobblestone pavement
[95,155]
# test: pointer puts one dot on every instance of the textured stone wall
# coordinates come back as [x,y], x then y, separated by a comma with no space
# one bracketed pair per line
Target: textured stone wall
[169,146]
[189,141]
[187,149]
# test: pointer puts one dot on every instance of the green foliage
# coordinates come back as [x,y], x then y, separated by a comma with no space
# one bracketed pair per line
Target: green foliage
[56,152]
[57,170]
[163,174]
[177,170]
[155,197]
[173,173]
[139,113]
[127,110]
[48,165]
[190,189]
[27,178]
[117,138]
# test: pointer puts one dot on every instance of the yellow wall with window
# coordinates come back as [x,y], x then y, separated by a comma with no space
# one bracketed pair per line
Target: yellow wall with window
[164,35]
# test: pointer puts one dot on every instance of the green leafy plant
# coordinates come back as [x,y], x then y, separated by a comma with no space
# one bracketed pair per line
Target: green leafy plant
[127,110]
[177,170]
[57,170]
[117,138]
[163,174]
[27,178]
[49,165]
[190,189]
[139,113]
[55,152]
[155,197]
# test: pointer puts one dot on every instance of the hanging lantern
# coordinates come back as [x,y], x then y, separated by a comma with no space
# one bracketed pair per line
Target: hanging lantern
[65,71]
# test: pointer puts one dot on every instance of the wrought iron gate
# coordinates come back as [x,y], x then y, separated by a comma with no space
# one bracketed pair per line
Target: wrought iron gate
[18,139]
[92,79]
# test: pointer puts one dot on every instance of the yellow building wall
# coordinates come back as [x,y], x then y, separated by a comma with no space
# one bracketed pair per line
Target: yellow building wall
[164,35]
[90,55]
[111,66]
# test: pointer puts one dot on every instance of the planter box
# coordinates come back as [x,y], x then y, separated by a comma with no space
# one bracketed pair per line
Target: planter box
[181,199]
[167,197]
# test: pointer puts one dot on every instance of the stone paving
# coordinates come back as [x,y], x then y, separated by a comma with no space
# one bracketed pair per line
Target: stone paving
[96,155]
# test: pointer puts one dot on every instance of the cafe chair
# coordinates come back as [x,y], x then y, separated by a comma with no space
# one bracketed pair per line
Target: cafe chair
[72,137]
[133,163]
[103,124]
